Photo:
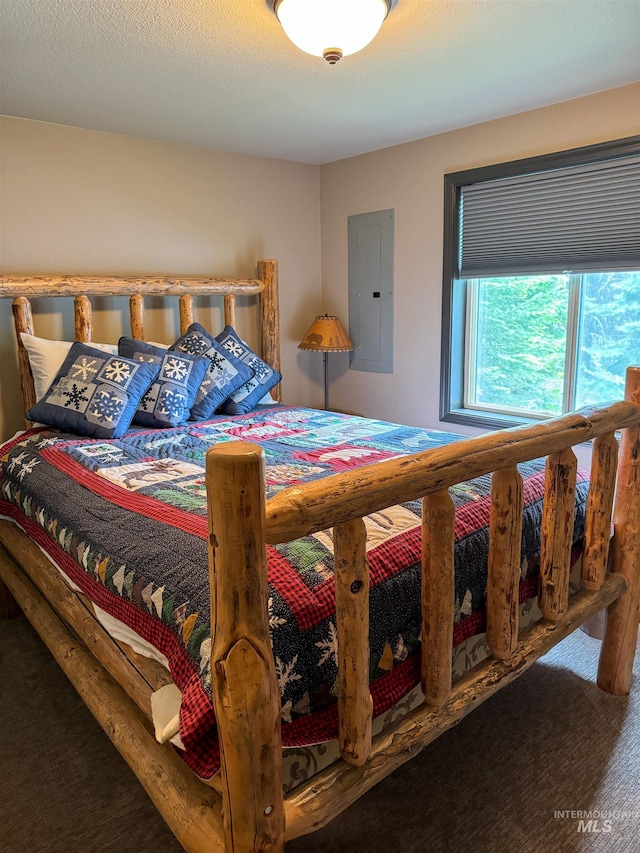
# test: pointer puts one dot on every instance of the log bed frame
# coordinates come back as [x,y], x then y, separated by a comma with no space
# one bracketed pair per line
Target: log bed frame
[243,808]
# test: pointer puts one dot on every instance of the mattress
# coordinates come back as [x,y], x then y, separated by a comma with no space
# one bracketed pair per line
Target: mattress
[125,520]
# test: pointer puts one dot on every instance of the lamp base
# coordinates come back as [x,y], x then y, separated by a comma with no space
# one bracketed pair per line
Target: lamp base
[326,382]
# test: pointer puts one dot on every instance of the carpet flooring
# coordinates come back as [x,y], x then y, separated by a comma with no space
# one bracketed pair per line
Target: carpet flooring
[551,742]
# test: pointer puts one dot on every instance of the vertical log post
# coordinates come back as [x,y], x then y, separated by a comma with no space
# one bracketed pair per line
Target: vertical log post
[505,545]
[136,315]
[23,322]
[270,319]
[355,705]
[246,696]
[621,637]
[230,310]
[556,535]
[438,595]
[83,318]
[597,530]
[186,312]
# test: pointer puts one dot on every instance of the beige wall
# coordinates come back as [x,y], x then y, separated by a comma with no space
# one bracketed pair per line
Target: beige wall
[409,178]
[77,201]
[87,202]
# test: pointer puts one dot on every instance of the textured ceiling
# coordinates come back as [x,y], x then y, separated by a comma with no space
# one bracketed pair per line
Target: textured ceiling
[222,74]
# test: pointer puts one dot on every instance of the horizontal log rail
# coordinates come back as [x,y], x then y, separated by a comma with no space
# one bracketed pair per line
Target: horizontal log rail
[34,286]
[305,509]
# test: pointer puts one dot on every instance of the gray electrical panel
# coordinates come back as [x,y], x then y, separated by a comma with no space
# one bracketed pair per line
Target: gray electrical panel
[371,291]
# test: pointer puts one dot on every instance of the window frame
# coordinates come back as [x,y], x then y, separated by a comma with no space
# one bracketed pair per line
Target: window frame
[454,351]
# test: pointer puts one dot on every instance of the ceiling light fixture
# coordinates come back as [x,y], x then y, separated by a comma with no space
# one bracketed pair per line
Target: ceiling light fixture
[331,28]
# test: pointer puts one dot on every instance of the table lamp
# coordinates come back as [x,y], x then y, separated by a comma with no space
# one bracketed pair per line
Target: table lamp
[326,335]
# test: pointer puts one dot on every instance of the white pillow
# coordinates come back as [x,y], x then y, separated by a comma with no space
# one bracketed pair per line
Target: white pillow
[267,400]
[46,357]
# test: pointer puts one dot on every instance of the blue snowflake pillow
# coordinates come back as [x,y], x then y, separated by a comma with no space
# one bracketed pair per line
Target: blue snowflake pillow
[225,375]
[94,393]
[248,395]
[168,400]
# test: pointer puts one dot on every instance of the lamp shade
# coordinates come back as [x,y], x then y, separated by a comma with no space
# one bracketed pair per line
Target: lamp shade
[331,28]
[326,334]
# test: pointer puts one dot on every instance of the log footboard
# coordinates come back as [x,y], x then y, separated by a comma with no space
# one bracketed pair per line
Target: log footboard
[341,503]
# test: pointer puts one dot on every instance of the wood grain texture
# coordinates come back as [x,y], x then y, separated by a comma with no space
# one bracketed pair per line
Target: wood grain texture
[556,534]
[270,319]
[305,509]
[190,808]
[152,671]
[505,546]
[187,314]
[246,696]
[83,318]
[621,636]
[23,322]
[438,594]
[230,310]
[597,531]
[33,286]
[329,792]
[136,315]
[355,705]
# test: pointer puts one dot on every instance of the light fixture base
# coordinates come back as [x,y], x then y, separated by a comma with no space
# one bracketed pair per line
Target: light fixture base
[332,55]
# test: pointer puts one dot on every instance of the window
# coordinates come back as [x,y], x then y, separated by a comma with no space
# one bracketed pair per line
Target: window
[541,293]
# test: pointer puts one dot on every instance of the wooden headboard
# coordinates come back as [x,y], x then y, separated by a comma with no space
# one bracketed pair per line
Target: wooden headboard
[25,288]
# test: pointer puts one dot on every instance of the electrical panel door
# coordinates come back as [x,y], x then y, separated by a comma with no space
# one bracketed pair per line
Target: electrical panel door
[371,291]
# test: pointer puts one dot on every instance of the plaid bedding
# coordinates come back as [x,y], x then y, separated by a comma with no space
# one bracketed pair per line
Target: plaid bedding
[126,520]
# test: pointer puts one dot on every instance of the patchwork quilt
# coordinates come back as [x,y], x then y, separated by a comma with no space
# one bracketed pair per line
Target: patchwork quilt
[126,520]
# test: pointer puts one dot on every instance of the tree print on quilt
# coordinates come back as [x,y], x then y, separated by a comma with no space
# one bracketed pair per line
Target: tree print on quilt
[126,520]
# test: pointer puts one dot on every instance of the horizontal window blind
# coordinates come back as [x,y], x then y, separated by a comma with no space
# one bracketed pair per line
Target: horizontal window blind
[580,218]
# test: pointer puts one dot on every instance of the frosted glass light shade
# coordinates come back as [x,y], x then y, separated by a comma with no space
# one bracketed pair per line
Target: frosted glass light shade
[331,28]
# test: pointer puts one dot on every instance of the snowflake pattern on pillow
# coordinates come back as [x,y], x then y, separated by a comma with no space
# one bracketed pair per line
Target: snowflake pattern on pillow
[226,373]
[264,377]
[93,393]
[168,401]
